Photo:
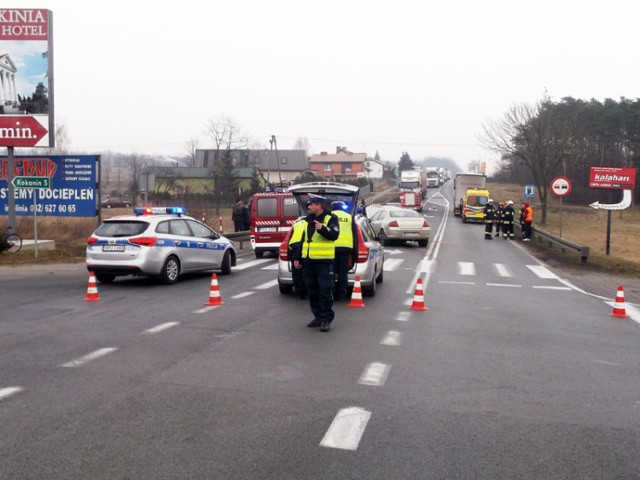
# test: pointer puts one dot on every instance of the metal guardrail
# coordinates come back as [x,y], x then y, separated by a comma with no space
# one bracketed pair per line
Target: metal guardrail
[239,237]
[553,240]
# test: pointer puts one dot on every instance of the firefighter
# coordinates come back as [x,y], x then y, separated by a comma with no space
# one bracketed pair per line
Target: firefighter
[345,246]
[489,219]
[508,217]
[316,257]
[499,214]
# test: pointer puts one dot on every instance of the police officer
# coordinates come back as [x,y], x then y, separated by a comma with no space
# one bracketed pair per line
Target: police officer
[499,214]
[315,257]
[345,246]
[508,217]
[489,219]
[295,244]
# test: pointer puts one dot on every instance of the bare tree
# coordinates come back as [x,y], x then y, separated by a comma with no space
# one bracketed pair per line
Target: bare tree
[136,164]
[225,133]
[190,147]
[533,136]
[302,143]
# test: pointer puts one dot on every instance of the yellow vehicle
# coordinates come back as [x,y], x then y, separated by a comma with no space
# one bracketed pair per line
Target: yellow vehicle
[473,205]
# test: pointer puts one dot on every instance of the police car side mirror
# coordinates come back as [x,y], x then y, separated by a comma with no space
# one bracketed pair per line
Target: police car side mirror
[214,236]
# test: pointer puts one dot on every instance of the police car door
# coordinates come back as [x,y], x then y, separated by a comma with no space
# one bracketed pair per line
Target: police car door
[210,250]
[185,244]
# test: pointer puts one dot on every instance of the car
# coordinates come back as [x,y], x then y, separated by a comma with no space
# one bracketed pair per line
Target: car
[159,242]
[115,203]
[368,265]
[400,224]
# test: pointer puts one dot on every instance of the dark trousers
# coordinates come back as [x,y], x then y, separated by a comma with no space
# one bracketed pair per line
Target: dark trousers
[318,276]
[507,230]
[238,224]
[526,230]
[488,228]
[297,276]
[341,269]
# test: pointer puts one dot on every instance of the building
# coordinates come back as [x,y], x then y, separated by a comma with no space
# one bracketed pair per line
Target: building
[341,165]
[373,168]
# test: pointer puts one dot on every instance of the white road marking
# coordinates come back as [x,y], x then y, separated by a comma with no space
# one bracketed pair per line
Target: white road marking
[161,327]
[253,263]
[502,285]
[270,284]
[457,283]
[633,312]
[206,309]
[549,287]
[346,429]
[403,316]
[375,374]
[270,267]
[90,356]
[392,338]
[604,362]
[392,264]
[502,270]
[8,391]
[466,268]
[243,294]
[542,272]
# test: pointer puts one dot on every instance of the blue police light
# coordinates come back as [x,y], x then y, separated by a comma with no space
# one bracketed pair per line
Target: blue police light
[159,210]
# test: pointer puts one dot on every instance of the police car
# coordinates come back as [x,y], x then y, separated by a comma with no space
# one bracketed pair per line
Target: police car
[159,242]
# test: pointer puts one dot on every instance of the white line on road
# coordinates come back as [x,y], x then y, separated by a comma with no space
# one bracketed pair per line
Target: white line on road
[502,285]
[502,270]
[392,264]
[270,284]
[346,429]
[457,283]
[466,268]
[392,338]
[252,264]
[270,267]
[8,391]
[206,309]
[542,272]
[403,316]
[374,374]
[549,287]
[243,294]
[90,356]
[161,327]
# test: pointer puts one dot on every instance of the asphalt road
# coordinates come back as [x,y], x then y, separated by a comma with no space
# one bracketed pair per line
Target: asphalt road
[512,372]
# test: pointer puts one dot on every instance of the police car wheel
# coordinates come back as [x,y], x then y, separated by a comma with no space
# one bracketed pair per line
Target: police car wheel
[423,243]
[170,270]
[380,277]
[369,290]
[104,278]
[226,264]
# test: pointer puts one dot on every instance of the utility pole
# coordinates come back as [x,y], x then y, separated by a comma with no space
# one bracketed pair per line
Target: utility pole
[274,144]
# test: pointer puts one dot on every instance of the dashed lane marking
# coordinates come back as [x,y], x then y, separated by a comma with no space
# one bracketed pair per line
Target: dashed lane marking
[392,338]
[161,327]
[206,309]
[549,287]
[253,263]
[243,294]
[89,357]
[466,268]
[346,429]
[374,374]
[502,285]
[8,391]
[502,270]
[270,284]
[392,264]
[542,272]
[403,316]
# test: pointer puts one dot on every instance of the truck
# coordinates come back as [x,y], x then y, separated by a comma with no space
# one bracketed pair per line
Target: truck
[410,199]
[433,177]
[461,183]
[414,181]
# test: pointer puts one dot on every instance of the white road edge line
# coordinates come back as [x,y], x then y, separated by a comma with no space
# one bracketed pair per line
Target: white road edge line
[346,429]
[161,327]
[90,356]
[8,391]
[374,374]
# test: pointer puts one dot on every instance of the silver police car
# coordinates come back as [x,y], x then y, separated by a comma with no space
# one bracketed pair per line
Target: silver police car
[159,242]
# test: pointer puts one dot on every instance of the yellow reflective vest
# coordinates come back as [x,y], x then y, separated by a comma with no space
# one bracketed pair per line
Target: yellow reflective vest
[318,247]
[345,240]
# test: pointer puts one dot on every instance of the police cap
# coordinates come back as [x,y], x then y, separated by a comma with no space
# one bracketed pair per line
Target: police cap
[315,199]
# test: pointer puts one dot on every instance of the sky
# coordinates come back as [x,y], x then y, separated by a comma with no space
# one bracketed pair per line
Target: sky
[417,76]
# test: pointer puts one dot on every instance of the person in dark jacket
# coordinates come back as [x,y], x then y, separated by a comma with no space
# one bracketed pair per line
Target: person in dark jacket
[489,219]
[315,258]
[508,217]
[246,217]
[346,246]
[499,213]
[236,215]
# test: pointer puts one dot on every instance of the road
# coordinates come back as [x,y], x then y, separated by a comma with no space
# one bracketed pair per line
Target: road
[512,372]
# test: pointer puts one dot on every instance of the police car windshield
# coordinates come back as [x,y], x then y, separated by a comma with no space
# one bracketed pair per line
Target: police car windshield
[121,228]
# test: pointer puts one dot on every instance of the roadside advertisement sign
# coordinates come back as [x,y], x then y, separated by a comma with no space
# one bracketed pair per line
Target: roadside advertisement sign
[71,190]
[26,71]
[612,177]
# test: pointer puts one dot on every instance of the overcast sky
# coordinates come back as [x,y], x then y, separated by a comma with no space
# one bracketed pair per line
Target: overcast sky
[417,76]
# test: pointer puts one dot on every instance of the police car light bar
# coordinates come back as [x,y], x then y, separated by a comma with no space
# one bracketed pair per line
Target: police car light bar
[159,210]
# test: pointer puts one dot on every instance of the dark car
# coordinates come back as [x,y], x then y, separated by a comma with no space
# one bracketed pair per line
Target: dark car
[115,203]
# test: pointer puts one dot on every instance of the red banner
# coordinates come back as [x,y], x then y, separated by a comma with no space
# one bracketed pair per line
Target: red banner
[613,178]
[20,131]
[24,24]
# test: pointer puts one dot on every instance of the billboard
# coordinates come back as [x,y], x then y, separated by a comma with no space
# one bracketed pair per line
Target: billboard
[26,78]
[612,177]
[73,185]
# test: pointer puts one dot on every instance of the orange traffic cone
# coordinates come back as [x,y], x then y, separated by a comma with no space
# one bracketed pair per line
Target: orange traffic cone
[92,289]
[618,306]
[214,292]
[356,295]
[418,298]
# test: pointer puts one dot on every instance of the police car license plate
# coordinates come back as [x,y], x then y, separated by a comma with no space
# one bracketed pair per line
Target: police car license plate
[113,248]
[268,229]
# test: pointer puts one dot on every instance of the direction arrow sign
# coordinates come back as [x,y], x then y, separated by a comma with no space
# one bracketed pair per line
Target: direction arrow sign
[31,182]
[625,203]
[20,131]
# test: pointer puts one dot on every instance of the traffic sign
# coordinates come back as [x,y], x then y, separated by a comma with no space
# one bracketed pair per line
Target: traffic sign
[560,186]
[529,191]
[31,182]
[22,131]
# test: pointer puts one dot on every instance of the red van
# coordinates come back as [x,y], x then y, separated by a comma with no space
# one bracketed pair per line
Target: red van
[272,214]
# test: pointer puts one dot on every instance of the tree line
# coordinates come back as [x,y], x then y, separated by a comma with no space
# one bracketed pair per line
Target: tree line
[542,141]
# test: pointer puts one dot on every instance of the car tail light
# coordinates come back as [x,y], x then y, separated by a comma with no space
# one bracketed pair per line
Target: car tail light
[425,224]
[284,251]
[393,223]
[363,250]
[91,240]
[144,241]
